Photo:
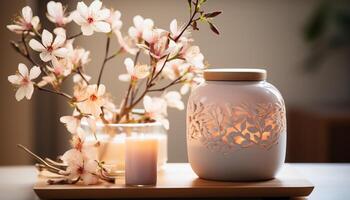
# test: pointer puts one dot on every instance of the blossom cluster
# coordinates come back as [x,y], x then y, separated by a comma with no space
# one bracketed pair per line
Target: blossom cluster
[55,58]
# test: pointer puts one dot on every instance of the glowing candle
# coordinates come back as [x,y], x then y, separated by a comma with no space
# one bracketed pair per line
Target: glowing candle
[141,160]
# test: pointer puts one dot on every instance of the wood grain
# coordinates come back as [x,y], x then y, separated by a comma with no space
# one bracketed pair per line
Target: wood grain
[179,181]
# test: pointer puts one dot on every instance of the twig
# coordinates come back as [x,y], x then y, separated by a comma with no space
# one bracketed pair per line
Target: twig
[82,75]
[55,92]
[189,22]
[161,69]
[153,77]
[62,181]
[27,55]
[176,81]
[74,36]
[39,159]
[104,61]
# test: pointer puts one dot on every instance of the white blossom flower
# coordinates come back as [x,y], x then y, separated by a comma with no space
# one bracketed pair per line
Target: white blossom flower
[23,79]
[174,68]
[60,31]
[49,79]
[80,167]
[175,30]
[191,83]
[92,18]
[56,13]
[159,43]
[140,25]
[25,22]
[173,99]
[114,20]
[62,67]
[193,56]
[156,108]
[72,122]
[93,100]
[49,47]
[79,57]
[135,72]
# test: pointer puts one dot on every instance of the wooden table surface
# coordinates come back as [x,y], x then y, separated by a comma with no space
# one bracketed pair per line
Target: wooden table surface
[332,181]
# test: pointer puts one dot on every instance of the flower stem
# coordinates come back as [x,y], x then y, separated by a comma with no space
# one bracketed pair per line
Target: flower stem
[55,92]
[189,22]
[104,61]
[39,159]
[74,36]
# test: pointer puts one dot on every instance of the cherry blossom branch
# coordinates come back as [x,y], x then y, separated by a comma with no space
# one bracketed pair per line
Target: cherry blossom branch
[161,69]
[82,75]
[104,61]
[40,160]
[74,36]
[130,88]
[55,92]
[174,82]
[189,22]
[26,53]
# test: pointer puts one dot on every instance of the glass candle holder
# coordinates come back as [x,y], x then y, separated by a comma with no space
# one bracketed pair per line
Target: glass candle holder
[112,138]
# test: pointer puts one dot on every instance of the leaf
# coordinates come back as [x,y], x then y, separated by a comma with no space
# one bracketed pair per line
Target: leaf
[190,4]
[213,28]
[212,14]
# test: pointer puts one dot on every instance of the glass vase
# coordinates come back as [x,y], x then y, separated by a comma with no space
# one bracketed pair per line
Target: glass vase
[112,138]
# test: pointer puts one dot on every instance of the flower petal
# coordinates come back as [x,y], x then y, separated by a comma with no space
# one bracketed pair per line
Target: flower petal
[102,14]
[47,38]
[132,32]
[83,9]
[173,27]
[95,6]
[45,56]
[87,29]
[124,77]
[77,18]
[34,72]
[29,91]
[103,27]
[35,22]
[61,52]
[138,20]
[148,24]
[21,93]
[23,70]
[101,90]
[27,14]
[129,63]
[35,45]
[59,40]
[89,179]
[14,79]
[15,28]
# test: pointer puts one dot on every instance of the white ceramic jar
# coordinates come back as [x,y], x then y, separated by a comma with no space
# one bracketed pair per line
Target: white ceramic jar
[236,126]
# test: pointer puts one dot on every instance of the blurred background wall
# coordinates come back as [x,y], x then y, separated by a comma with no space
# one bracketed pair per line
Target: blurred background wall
[254,33]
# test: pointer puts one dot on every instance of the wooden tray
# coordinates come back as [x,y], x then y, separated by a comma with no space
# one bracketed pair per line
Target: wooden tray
[179,181]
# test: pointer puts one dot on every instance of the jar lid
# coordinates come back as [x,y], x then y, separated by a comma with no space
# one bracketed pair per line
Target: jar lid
[234,74]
